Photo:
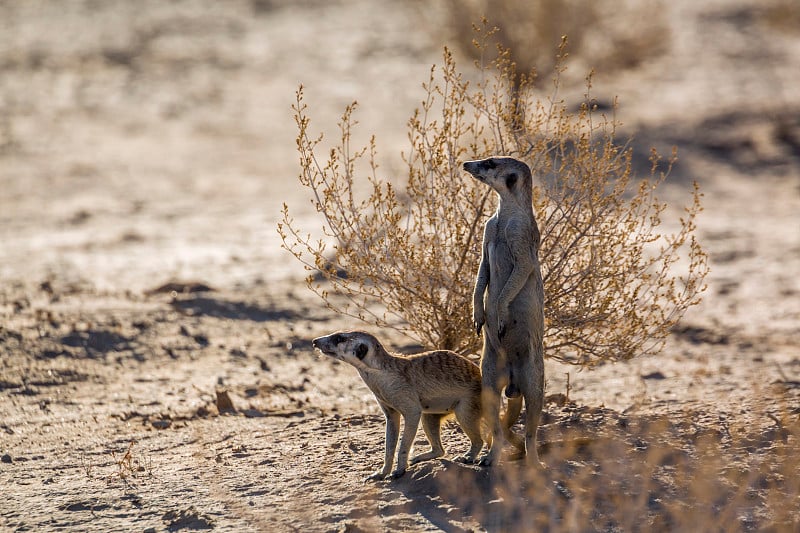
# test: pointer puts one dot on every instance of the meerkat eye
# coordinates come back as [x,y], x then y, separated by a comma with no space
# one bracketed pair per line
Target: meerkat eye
[511,179]
[361,351]
[489,164]
[337,339]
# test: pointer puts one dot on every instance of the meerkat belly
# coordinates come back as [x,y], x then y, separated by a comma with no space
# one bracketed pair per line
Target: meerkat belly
[501,262]
[438,404]
[391,389]
[501,265]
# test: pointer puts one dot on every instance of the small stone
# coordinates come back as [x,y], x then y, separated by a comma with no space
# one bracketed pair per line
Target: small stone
[6,458]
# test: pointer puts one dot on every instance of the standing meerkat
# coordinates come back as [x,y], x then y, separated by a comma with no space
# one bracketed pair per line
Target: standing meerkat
[508,302]
[430,386]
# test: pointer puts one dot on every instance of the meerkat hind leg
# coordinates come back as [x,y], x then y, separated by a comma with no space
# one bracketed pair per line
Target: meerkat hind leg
[491,404]
[533,416]
[513,410]
[534,403]
[431,424]
[469,418]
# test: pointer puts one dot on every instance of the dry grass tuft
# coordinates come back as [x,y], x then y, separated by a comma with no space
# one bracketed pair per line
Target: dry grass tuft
[611,287]
[128,464]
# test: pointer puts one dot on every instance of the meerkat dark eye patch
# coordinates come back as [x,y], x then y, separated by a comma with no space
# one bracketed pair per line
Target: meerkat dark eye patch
[511,180]
[337,339]
[361,351]
[489,164]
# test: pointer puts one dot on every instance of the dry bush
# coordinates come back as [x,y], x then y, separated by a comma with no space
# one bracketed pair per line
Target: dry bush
[605,35]
[782,15]
[610,288]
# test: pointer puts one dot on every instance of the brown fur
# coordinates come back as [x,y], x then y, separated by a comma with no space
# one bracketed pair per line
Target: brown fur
[427,386]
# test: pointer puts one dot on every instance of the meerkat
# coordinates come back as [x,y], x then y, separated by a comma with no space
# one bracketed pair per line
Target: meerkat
[508,302]
[427,386]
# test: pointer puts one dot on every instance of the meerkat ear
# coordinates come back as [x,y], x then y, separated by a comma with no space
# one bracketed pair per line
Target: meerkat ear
[511,179]
[361,351]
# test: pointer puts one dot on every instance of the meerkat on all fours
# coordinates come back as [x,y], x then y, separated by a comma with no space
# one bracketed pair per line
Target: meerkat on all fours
[508,302]
[427,386]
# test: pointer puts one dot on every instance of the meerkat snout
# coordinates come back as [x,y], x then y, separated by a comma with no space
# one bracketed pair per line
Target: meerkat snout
[475,167]
[326,345]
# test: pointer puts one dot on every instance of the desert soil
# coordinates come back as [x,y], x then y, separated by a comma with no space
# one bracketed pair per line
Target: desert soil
[156,370]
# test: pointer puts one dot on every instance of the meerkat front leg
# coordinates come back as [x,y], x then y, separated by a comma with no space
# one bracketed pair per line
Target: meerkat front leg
[410,425]
[481,282]
[392,432]
[522,268]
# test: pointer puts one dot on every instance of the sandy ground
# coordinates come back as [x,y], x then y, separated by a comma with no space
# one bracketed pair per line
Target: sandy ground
[147,143]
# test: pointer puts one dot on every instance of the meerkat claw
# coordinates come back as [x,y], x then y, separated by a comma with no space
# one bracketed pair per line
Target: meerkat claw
[377,476]
[397,474]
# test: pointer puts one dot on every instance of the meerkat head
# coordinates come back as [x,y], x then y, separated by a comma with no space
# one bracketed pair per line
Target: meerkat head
[508,176]
[358,348]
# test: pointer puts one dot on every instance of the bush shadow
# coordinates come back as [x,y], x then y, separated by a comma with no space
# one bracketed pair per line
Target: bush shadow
[96,343]
[220,308]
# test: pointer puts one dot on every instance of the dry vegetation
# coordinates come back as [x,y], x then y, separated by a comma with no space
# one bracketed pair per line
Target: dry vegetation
[783,15]
[600,37]
[611,287]
[615,472]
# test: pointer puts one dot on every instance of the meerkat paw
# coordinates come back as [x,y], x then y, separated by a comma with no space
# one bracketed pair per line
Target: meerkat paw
[466,459]
[534,462]
[516,455]
[375,476]
[427,456]
[488,459]
[501,329]
[502,322]
[478,320]
[398,473]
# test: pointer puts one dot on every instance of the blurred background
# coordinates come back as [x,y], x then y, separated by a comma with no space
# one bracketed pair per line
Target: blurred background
[148,140]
